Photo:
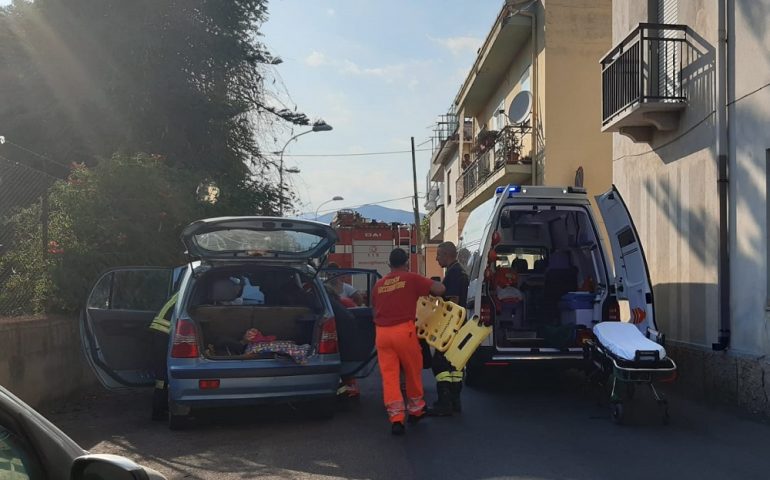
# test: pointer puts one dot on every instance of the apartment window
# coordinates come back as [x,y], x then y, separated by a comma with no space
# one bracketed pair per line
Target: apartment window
[449,187]
[499,116]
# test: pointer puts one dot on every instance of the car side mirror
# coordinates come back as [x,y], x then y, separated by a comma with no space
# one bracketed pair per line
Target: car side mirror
[110,467]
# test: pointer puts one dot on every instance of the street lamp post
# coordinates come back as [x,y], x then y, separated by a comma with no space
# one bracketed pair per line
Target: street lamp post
[336,198]
[319,126]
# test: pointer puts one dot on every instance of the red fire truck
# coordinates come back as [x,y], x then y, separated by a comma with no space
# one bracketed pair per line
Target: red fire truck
[365,243]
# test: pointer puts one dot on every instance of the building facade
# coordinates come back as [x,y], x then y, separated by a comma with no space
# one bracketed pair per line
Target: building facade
[686,96]
[526,112]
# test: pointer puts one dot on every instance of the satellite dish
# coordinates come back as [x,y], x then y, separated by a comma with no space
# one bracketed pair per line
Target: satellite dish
[518,111]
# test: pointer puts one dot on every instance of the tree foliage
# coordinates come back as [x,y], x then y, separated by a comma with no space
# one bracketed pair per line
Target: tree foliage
[133,105]
[179,78]
[128,210]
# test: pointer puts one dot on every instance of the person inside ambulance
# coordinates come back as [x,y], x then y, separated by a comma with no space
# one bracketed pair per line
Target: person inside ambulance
[394,298]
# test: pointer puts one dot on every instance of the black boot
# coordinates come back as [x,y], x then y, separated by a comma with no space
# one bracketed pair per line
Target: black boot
[160,404]
[442,407]
[455,389]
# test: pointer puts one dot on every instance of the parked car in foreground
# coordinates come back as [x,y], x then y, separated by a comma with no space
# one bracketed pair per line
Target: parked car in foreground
[33,448]
[245,273]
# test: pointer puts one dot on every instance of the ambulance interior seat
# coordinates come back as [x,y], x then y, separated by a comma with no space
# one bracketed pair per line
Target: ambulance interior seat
[520,265]
[560,278]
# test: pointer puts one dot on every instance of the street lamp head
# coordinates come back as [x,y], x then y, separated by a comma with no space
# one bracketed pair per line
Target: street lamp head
[321,126]
[337,198]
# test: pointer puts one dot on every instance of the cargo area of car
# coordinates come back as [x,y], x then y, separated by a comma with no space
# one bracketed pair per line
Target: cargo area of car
[280,320]
[549,277]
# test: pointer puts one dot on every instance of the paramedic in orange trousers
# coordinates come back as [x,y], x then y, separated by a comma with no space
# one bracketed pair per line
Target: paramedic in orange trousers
[394,298]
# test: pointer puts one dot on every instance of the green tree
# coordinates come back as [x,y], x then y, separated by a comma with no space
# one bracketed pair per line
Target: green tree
[128,210]
[180,78]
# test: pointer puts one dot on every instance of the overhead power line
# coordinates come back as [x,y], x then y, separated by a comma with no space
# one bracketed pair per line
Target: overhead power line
[356,154]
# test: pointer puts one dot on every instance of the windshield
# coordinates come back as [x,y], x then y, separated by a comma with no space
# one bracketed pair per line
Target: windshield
[243,240]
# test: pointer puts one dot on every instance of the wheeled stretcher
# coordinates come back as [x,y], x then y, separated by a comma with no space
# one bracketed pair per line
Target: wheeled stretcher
[623,357]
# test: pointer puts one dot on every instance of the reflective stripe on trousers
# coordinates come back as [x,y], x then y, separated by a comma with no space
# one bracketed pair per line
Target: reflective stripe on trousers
[451,377]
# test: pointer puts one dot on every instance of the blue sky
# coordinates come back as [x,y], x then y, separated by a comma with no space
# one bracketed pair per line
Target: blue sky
[379,73]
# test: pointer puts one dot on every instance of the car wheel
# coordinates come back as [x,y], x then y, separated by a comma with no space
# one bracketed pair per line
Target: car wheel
[177,422]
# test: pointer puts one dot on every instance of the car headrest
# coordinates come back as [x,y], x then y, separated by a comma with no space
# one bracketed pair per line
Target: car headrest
[540,265]
[224,290]
[520,265]
[558,261]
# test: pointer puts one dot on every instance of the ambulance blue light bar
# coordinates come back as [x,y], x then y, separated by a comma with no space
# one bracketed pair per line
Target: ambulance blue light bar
[511,190]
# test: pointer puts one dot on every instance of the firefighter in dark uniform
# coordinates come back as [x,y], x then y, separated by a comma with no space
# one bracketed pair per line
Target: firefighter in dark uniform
[449,381]
[161,328]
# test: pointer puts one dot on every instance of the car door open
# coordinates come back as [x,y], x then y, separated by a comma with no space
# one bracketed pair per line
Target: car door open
[114,324]
[632,278]
[355,324]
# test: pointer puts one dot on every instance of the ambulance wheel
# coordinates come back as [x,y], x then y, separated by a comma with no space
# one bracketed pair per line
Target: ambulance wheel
[617,413]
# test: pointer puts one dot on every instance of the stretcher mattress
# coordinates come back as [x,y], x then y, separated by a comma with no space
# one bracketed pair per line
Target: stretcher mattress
[625,339]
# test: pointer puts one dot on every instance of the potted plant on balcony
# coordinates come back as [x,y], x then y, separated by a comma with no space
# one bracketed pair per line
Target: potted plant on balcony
[509,147]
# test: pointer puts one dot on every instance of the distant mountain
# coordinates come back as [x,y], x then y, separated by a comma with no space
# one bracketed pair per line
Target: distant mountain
[374,212]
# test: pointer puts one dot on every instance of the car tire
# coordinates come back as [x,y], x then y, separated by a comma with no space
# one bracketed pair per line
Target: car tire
[178,422]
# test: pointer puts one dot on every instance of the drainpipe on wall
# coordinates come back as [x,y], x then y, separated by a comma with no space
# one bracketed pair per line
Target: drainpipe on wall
[723,159]
[521,8]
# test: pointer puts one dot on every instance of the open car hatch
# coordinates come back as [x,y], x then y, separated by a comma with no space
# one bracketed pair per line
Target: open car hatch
[258,239]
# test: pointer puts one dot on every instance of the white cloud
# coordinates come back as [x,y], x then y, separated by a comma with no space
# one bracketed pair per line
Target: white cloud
[316,59]
[330,12]
[458,45]
[387,72]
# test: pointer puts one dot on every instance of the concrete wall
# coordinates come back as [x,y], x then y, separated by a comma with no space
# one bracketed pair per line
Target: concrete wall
[749,63]
[577,34]
[41,360]
[670,186]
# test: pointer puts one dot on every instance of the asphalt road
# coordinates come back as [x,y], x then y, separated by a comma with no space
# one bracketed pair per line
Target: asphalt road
[543,426]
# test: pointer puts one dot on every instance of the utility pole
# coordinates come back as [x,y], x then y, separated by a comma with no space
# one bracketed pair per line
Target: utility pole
[417,224]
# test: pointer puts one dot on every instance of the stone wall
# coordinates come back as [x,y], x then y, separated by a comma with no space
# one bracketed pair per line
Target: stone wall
[41,360]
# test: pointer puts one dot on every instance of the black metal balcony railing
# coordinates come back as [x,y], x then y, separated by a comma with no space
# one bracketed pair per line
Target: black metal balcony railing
[506,149]
[645,67]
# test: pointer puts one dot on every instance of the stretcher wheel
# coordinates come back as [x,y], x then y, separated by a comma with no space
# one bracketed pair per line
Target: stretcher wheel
[617,413]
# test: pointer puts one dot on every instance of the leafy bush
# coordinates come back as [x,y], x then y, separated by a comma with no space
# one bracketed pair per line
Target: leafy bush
[128,210]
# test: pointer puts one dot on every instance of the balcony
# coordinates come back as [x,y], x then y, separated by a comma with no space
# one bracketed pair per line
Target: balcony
[499,161]
[642,82]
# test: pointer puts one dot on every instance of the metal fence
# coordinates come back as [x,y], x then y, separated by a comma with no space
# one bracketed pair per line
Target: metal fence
[23,188]
[645,67]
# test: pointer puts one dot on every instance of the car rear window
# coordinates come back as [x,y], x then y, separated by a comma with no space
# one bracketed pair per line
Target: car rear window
[243,240]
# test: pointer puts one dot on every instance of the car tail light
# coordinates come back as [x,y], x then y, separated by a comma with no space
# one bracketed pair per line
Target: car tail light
[185,343]
[613,310]
[485,313]
[328,337]
[208,384]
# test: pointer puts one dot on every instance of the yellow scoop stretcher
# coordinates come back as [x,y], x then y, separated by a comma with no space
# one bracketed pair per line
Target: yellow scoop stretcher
[442,324]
